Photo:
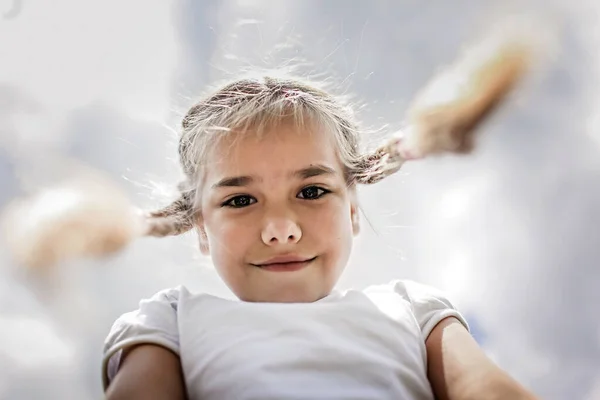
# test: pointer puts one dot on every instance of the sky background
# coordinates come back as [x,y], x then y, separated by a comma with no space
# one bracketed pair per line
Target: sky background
[509,233]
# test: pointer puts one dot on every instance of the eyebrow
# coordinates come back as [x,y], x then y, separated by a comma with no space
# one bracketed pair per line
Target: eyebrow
[304,173]
[233,181]
[313,170]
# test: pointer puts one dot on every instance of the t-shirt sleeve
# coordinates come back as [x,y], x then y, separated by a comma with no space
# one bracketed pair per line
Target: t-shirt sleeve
[429,305]
[154,322]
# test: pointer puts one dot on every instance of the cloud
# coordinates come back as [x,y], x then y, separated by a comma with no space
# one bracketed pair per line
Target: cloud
[71,72]
[65,54]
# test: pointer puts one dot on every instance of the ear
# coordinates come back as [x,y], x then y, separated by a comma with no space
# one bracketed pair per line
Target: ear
[355,221]
[202,237]
[355,216]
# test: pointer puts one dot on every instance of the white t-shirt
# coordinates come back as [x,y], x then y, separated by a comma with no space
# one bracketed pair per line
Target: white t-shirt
[353,345]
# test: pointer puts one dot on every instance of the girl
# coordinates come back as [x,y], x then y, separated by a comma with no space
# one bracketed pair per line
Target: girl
[272,168]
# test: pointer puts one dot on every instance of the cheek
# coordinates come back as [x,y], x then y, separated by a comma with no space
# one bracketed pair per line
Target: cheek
[334,236]
[228,238]
[332,223]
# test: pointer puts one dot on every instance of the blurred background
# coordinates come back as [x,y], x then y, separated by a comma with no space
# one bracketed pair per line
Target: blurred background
[510,233]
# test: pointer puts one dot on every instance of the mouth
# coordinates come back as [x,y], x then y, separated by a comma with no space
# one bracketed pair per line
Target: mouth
[285,264]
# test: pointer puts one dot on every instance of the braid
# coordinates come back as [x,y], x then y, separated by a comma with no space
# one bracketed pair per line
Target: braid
[382,162]
[174,219]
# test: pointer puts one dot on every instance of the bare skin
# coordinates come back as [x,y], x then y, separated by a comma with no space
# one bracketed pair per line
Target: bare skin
[148,372]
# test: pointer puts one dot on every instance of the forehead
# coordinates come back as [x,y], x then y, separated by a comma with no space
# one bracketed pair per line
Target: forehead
[274,151]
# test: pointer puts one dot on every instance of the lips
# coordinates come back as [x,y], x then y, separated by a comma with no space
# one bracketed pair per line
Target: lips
[285,263]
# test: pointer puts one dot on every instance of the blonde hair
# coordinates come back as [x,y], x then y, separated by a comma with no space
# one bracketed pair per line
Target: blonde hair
[259,104]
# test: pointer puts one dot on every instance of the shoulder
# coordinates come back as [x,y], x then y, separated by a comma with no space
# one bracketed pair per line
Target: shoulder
[428,304]
[417,294]
[161,304]
[169,296]
[155,321]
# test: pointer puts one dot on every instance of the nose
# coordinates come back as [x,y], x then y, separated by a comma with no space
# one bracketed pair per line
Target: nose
[281,231]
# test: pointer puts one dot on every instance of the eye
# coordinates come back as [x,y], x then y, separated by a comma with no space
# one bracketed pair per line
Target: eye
[239,201]
[312,193]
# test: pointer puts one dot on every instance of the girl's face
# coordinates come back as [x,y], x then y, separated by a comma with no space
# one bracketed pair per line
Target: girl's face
[277,217]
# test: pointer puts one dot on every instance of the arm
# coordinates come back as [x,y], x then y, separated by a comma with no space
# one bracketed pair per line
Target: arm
[459,370]
[148,372]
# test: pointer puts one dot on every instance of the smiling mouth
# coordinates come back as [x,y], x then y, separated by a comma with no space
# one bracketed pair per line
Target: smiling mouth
[286,266]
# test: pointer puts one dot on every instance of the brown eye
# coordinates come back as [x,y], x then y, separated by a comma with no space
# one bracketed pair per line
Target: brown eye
[239,201]
[312,193]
